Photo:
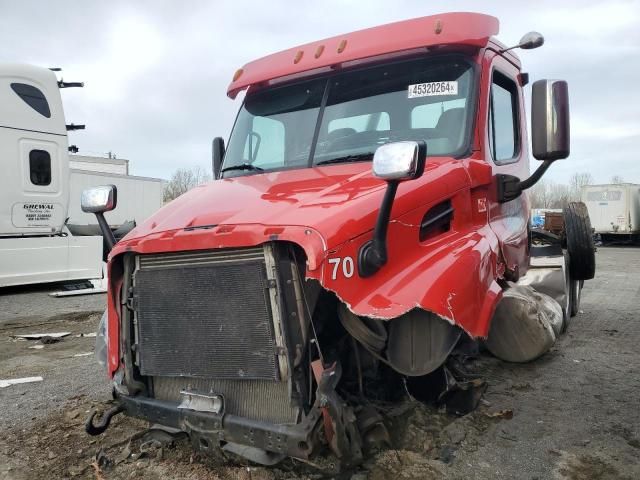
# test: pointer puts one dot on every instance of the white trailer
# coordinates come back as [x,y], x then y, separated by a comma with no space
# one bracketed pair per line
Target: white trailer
[38,190]
[614,210]
[138,199]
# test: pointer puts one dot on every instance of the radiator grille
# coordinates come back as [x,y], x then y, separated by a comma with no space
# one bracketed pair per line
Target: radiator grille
[256,399]
[205,314]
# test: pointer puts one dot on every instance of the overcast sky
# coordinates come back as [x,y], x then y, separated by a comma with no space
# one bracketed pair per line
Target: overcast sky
[156,72]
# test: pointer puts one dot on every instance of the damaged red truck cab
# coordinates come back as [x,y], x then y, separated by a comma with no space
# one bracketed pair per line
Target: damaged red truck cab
[365,218]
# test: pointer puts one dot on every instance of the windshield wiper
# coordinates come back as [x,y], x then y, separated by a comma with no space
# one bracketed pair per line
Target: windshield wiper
[242,166]
[348,158]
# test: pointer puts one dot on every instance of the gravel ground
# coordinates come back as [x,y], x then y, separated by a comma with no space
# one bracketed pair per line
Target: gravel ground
[574,411]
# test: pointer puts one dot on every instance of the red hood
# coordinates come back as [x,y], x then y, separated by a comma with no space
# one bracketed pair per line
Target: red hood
[338,201]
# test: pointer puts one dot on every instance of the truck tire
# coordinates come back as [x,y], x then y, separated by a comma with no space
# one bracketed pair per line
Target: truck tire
[582,256]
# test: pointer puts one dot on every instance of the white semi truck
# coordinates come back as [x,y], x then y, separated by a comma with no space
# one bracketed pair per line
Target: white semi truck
[39,192]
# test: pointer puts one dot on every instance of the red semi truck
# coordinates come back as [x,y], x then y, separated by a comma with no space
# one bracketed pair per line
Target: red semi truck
[367,217]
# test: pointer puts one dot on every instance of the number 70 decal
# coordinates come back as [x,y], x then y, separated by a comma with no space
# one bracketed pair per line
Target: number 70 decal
[347,267]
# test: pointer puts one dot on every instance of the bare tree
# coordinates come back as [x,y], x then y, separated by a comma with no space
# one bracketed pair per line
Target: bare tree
[616,179]
[539,195]
[576,182]
[184,179]
[547,194]
[560,195]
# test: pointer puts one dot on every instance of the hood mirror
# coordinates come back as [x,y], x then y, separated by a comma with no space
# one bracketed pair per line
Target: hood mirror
[399,161]
[393,162]
[99,199]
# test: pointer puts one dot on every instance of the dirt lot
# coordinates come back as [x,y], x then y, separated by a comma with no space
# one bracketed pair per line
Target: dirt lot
[574,416]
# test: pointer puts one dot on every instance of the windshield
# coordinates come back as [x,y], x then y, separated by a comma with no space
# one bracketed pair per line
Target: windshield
[346,116]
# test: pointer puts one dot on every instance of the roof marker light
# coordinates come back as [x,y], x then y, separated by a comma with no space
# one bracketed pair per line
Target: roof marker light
[319,51]
[438,28]
[342,46]
[238,74]
[298,56]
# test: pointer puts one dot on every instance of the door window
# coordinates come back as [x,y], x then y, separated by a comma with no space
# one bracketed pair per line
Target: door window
[504,129]
[40,167]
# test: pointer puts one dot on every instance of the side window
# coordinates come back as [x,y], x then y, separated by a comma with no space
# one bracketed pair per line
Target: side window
[32,97]
[504,128]
[40,167]
[360,123]
[265,144]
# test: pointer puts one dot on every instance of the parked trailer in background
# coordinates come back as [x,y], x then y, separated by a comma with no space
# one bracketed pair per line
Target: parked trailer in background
[143,196]
[614,210]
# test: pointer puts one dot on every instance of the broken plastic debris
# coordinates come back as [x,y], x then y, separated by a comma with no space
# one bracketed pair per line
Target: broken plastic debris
[37,347]
[506,413]
[86,354]
[38,336]
[15,381]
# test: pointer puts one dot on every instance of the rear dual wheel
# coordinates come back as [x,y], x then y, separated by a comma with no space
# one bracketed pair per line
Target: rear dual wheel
[571,303]
[575,292]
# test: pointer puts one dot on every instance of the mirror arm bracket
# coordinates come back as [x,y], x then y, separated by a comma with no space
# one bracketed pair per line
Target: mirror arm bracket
[373,255]
[510,187]
[107,234]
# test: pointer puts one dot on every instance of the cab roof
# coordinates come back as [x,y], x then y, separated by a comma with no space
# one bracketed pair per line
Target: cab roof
[459,28]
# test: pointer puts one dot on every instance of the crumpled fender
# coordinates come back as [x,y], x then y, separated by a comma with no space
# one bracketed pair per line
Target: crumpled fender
[454,275]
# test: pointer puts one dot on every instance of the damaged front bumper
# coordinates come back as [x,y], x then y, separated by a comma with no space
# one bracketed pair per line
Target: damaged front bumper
[207,430]
[256,440]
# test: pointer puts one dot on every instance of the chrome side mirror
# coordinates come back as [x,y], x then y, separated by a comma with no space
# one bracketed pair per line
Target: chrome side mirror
[399,161]
[99,199]
[550,120]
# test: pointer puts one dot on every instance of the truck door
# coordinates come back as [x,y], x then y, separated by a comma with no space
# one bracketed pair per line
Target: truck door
[506,150]
[34,185]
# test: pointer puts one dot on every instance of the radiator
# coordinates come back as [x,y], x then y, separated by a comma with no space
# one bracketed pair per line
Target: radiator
[206,314]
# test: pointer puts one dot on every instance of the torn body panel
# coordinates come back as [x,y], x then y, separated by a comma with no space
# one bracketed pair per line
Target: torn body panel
[453,276]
